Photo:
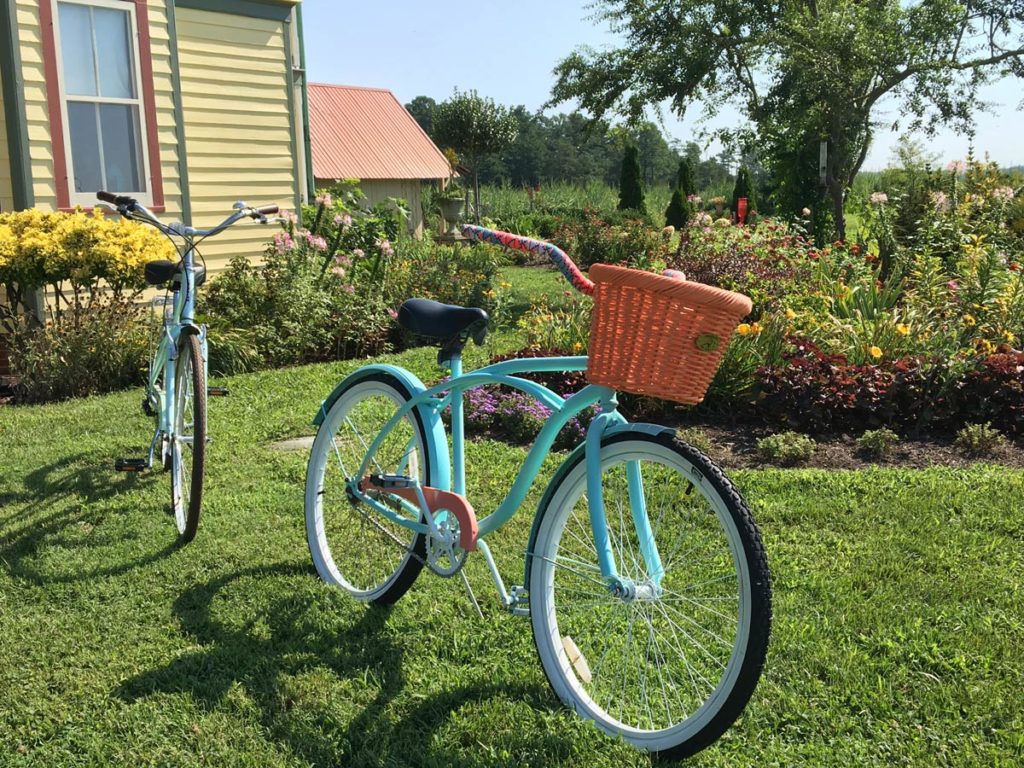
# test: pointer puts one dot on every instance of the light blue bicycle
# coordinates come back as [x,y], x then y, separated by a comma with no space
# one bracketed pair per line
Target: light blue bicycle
[645,578]
[176,390]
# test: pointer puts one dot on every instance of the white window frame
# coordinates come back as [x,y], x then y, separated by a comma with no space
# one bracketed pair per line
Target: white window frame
[88,198]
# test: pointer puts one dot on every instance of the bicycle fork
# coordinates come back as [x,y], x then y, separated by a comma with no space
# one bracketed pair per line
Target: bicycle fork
[620,586]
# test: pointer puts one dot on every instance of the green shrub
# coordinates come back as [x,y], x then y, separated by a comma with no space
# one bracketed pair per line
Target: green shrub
[696,437]
[596,240]
[106,349]
[980,440]
[678,211]
[786,448]
[631,189]
[878,442]
[326,294]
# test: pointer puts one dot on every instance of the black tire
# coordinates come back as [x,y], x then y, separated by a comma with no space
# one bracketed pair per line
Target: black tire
[562,633]
[327,549]
[188,459]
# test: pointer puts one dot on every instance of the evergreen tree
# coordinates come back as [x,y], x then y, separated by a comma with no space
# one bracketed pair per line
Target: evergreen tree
[743,188]
[684,178]
[631,191]
[678,211]
[679,208]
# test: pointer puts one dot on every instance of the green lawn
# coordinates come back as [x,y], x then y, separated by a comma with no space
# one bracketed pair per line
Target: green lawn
[898,639]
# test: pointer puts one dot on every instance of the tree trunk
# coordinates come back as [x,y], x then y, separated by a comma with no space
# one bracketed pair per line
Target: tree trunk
[476,197]
[836,190]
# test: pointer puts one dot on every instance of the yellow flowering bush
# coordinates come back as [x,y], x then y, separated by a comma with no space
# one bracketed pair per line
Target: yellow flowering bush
[76,252]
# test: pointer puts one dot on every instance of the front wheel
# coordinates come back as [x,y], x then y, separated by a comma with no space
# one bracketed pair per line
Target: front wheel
[668,662]
[188,446]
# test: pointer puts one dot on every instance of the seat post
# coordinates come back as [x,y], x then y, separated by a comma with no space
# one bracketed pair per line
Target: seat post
[458,429]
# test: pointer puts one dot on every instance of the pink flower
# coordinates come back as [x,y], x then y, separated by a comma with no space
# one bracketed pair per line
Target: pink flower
[957,166]
[290,216]
[384,246]
[348,288]
[325,200]
[316,242]
[343,220]
[879,198]
[953,285]
[695,199]
[358,253]
[940,201]
[1003,194]
[342,260]
[283,242]
[338,271]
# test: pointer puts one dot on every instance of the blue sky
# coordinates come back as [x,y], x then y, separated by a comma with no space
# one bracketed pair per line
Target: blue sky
[507,50]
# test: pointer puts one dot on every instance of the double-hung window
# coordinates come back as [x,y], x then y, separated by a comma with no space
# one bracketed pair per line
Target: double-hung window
[101,101]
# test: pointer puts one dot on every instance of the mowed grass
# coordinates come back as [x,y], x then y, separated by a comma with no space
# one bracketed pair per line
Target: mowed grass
[898,635]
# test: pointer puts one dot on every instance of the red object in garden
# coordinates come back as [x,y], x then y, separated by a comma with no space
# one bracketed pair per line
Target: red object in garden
[741,210]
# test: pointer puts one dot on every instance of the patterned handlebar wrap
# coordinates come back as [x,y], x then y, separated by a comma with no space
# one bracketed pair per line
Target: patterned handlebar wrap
[558,257]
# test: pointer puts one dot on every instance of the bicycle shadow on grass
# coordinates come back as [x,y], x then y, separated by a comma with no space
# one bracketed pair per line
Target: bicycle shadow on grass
[58,502]
[308,631]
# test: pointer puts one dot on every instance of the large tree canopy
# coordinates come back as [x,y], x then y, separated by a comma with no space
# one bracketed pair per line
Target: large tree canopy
[803,72]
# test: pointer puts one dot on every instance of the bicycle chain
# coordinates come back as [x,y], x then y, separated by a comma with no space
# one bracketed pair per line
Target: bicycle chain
[408,550]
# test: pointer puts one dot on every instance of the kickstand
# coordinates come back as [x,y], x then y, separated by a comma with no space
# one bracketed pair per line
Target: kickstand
[469,591]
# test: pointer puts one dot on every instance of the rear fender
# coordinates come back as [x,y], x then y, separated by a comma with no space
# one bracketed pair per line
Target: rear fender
[436,438]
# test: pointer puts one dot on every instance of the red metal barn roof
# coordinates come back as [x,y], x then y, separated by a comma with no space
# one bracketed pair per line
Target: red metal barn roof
[366,133]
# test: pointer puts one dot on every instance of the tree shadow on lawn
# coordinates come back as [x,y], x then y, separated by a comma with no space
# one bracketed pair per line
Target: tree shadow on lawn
[300,632]
[46,513]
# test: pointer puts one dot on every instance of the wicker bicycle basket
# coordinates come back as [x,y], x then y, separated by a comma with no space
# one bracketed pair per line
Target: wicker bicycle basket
[659,336]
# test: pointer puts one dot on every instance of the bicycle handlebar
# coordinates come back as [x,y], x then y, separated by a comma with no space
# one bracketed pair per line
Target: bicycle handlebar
[131,208]
[558,257]
[118,200]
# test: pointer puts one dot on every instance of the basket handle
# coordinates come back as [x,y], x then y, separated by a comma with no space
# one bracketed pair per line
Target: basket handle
[559,257]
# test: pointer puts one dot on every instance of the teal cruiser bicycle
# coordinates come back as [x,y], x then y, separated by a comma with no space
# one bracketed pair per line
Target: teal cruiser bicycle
[645,579]
[176,390]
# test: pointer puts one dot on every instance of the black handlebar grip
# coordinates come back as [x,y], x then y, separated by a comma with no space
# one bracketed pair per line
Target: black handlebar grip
[110,197]
[267,210]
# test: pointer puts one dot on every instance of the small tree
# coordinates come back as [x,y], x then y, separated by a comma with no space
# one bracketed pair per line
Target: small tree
[631,190]
[679,209]
[476,128]
[684,178]
[743,188]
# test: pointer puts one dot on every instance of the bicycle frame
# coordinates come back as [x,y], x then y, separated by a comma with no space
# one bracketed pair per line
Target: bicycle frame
[450,394]
[164,362]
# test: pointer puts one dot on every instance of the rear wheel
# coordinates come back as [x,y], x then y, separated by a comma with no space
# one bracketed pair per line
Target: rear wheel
[354,546]
[667,662]
[188,446]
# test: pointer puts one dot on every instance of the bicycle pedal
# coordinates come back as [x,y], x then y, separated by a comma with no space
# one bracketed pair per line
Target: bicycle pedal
[218,391]
[147,407]
[131,465]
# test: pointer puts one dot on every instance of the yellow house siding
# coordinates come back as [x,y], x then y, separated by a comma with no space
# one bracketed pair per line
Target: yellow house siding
[167,129]
[37,113]
[238,134]
[6,188]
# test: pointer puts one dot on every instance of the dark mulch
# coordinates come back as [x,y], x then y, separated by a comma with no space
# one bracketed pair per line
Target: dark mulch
[735,447]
